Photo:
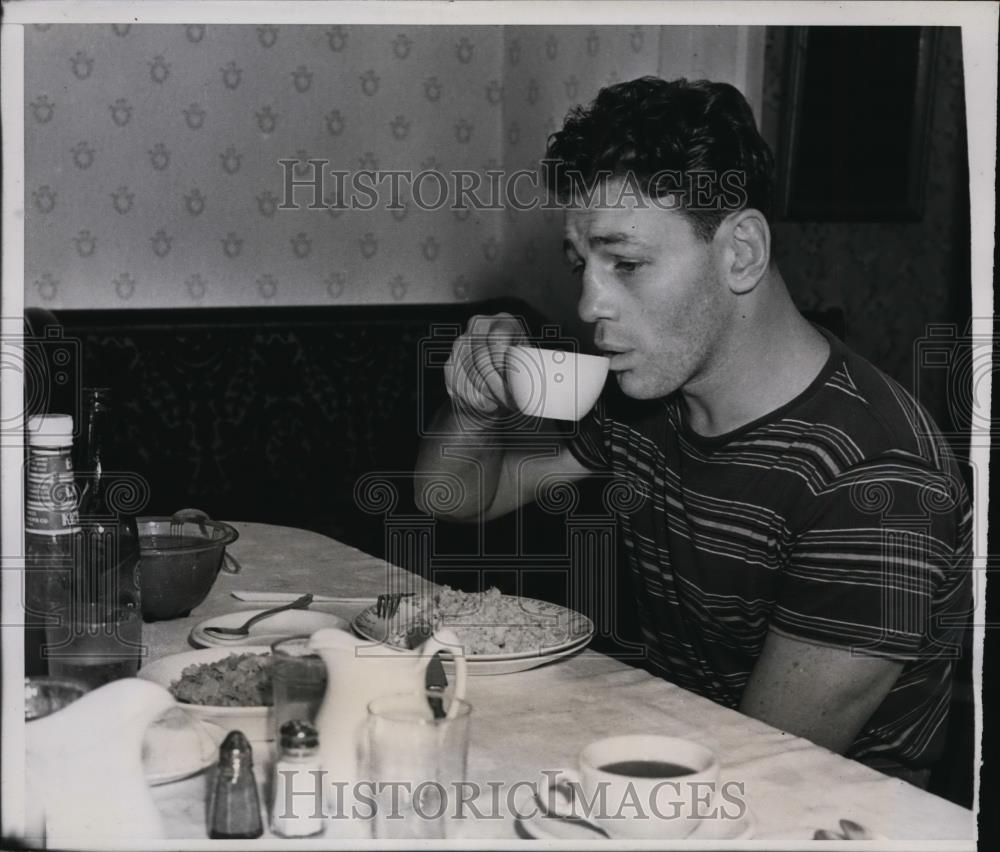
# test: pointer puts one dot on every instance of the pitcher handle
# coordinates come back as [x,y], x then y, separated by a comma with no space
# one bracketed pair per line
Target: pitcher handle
[444,639]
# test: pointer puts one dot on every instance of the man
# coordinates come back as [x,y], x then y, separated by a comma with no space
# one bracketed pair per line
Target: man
[800,536]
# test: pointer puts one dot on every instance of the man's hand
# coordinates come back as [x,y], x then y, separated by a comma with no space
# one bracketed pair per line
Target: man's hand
[495,479]
[820,693]
[475,374]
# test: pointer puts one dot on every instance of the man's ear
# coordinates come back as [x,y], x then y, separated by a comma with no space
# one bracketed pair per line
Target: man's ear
[746,249]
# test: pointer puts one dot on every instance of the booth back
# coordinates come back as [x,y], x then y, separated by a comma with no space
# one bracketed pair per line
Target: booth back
[269,415]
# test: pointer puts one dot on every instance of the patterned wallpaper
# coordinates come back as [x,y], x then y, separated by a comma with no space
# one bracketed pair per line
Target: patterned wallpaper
[151,159]
[547,71]
[891,279]
[152,175]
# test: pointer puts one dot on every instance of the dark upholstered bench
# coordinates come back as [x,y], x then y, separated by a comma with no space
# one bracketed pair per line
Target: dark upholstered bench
[268,415]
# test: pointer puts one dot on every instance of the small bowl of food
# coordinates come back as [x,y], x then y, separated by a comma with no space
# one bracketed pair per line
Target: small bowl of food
[179,560]
[229,687]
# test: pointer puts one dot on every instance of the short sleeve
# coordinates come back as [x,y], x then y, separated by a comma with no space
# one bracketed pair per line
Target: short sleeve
[881,564]
[586,441]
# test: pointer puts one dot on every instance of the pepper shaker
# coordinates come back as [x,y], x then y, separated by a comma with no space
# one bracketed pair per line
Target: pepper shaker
[234,811]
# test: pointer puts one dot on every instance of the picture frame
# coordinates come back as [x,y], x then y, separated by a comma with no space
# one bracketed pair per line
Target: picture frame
[855,124]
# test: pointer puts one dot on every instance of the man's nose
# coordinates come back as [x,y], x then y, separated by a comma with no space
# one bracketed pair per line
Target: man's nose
[595,301]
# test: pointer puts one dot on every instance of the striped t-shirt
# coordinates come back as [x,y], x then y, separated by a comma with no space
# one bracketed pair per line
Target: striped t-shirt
[840,519]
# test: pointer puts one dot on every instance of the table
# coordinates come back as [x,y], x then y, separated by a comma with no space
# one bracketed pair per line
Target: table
[540,719]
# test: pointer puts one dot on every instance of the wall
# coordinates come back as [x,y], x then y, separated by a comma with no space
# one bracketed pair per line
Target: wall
[151,156]
[891,279]
[547,71]
[152,175]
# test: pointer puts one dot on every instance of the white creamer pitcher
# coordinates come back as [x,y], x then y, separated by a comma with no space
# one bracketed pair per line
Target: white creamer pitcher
[359,671]
[85,778]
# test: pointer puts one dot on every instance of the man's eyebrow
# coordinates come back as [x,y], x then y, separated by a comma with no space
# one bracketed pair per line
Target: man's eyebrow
[611,239]
[614,238]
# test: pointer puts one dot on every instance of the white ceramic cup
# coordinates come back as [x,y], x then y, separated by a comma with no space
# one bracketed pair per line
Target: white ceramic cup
[555,384]
[640,806]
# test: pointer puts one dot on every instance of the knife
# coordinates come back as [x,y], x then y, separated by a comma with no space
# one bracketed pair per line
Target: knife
[435,678]
[287,597]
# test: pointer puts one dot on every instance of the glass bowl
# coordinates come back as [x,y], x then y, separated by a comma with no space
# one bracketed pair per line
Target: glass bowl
[179,561]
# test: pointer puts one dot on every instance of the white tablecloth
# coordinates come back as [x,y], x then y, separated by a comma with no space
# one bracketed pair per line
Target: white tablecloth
[539,720]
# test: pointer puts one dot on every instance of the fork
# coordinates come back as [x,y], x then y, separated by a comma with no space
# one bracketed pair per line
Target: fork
[387,605]
[849,830]
[244,629]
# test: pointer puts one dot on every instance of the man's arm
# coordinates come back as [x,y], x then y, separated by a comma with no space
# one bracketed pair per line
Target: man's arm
[464,471]
[493,480]
[824,694]
[851,611]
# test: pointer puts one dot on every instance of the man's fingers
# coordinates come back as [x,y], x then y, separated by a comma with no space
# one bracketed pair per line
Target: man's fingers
[491,382]
[486,404]
[484,324]
[454,367]
[469,376]
[499,353]
[475,371]
[449,373]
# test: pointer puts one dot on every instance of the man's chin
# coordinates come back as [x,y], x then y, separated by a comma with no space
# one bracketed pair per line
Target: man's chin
[633,386]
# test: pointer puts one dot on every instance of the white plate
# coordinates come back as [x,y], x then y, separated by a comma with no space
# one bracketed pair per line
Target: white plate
[177,745]
[580,630]
[255,722]
[539,827]
[291,622]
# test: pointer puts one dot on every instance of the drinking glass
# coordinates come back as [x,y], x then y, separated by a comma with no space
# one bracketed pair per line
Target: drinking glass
[95,642]
[298,677]
[416,762]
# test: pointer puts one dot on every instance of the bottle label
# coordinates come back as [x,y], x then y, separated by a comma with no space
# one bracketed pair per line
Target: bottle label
[51,504]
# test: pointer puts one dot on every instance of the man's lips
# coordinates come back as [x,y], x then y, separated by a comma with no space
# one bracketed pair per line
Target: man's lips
[609,347]
[618,356]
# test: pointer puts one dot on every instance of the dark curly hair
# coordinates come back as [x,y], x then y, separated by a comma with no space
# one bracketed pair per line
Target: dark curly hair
[695,142]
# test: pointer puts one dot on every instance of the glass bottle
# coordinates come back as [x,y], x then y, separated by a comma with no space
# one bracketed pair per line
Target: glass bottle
[297,774]
[102,640]
[51,523]
[112,539]
[234,809]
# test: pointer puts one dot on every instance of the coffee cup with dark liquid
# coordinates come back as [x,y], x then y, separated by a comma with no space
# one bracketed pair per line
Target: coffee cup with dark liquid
[646,769]
[643,786]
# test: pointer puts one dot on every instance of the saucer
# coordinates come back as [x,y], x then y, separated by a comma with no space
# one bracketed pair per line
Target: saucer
[540,827]
[281,625]
[177,745]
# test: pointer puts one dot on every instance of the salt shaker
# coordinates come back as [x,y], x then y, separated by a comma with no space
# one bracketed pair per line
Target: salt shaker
[234,811]
[296,775]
